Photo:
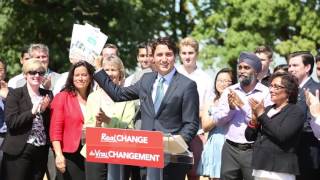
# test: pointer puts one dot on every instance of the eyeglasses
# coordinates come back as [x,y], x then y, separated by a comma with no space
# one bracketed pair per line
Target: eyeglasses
[276,87]
[224,81]
[41,73]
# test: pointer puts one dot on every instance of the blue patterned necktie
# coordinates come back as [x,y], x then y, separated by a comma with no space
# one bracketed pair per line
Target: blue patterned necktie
[159,94]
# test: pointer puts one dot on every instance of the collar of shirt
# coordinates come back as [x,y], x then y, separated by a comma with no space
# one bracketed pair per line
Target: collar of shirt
[266,76]
[236,120]
[258,87]
[49,72]
[304,82]
[167,77]
[183,71]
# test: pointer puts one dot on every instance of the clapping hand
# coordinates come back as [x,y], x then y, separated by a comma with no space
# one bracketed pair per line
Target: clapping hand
[42,105]
[45,103]
[234,100]
[46,82]
[313,103]
[254,120]
[257,107]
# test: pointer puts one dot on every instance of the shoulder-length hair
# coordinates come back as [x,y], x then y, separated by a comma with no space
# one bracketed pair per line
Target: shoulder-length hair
[69,87]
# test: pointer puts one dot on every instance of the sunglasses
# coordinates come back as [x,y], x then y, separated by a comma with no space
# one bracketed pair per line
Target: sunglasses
[41,73]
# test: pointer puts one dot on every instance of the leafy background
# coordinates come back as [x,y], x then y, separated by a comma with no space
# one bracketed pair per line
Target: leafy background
[223,27]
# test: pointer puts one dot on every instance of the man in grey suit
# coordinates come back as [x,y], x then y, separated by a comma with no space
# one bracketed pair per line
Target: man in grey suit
[301,66]
[169,101]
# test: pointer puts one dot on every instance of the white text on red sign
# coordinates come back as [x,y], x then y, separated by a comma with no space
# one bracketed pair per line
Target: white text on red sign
[123,138]
[124,155]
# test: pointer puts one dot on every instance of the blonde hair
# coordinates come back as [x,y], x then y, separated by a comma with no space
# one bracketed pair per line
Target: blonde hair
[118,62]
[32,65]
[189,41]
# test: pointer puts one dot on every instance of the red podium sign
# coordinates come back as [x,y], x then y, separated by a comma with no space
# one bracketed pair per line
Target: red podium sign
[124,146]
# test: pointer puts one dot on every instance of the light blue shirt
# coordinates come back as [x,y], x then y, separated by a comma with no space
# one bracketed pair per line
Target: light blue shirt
[168,77]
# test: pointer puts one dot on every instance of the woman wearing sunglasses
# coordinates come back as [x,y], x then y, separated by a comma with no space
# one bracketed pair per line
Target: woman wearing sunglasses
[27,116]
[276,130]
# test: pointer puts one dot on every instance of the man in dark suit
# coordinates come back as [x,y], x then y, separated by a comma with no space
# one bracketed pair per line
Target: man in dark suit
[3,95]
[169,101]
[301,66]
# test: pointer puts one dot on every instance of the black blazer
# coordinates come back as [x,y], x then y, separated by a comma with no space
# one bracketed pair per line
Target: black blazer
[19,119]
[312,86]
[179,109]
[309,149]
[277,140]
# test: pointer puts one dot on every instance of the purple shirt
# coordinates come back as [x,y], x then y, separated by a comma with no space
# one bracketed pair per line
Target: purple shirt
[236,120]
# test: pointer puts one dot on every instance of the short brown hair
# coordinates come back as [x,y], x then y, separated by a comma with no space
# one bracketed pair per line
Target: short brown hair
[112,46]
[264,49]
[164,41]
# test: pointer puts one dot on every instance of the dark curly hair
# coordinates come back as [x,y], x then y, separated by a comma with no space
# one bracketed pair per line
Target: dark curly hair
[290,84]
[69,87]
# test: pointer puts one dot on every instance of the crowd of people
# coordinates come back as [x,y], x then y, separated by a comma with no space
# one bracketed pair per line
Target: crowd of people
[252,123]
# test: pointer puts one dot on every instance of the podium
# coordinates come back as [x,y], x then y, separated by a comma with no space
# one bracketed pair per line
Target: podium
[175,152]
[151,149]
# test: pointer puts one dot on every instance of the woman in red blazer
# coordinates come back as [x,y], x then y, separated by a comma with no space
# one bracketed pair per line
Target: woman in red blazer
[67,112]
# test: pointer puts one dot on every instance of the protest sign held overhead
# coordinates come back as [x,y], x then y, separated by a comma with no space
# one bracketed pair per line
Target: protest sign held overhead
[86,42]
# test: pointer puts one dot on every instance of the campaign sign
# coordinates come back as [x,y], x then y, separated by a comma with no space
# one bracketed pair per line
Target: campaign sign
[125,146]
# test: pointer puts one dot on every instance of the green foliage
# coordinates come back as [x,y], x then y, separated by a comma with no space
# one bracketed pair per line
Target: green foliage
[127,23]
[223,27]
[227,27]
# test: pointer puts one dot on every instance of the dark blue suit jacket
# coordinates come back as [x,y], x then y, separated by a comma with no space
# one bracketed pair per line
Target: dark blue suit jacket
[312,86]
[179,109]
[309,148]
